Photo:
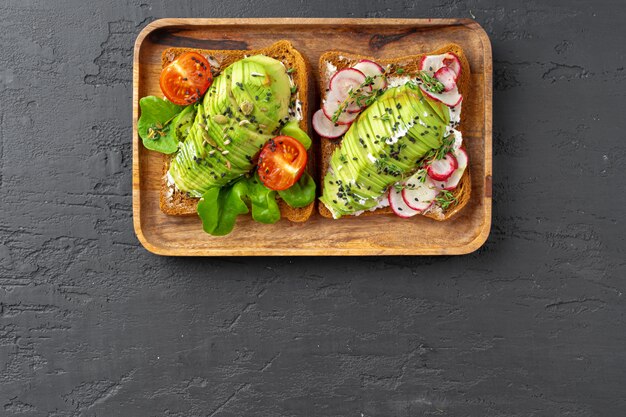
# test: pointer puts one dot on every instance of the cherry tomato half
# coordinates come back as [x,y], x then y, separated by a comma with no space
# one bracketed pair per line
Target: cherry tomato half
[186,78]
[281,162]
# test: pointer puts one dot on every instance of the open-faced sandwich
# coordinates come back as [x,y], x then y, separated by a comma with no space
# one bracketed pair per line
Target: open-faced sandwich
[393,129]
[232,129]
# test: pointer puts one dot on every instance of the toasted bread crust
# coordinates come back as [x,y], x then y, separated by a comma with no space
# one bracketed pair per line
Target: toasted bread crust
[177,203]
[410,65]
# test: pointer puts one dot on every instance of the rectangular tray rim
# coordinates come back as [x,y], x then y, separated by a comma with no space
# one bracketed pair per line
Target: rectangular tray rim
[467,248]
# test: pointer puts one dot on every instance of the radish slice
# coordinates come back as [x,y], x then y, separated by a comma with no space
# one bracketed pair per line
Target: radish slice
[421,198]
[450,98]
[419,195]
[441,169]
[451,183]
[345,81]
[452,61]
[372,69]
[432,63]
[447,77]
[398,205]
[352,107]
[331,105]
[326,128]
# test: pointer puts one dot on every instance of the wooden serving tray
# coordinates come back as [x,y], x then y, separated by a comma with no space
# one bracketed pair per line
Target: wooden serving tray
[372,235]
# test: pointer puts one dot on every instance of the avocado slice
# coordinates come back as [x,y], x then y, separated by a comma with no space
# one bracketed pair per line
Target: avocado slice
[216,99]
[279,83]
[195,169]
[182,123]
[251,89]
[441,109]
[384,145]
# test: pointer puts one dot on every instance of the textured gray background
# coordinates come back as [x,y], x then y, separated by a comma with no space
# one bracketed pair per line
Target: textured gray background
[530,325]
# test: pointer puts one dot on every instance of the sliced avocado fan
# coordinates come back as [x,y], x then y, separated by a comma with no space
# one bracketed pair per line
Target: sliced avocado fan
[247,104]
[384,145]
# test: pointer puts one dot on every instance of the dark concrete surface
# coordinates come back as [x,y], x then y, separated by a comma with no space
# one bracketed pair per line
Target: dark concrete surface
[532,324]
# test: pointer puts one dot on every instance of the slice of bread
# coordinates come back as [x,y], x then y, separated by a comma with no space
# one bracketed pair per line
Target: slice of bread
[409,64]
[177,203]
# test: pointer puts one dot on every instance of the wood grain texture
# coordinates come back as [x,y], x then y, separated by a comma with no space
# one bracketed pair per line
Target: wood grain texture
[380,235]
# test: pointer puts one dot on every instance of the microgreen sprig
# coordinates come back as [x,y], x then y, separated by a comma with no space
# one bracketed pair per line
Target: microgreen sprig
[430,83]
[446,147]
[445,199]
[359,96]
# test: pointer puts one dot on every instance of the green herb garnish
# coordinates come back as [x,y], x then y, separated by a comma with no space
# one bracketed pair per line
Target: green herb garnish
[359,95]
[385,167]
[446,147]
[421,175]
[399,187]
[431,83]
[446,199]
[385,117]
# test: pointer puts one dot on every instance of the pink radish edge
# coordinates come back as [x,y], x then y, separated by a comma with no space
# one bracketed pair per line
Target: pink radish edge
[325,127]
[398,211]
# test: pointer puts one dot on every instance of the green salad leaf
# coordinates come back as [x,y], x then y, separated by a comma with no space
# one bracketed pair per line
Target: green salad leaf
[154,125]
[219,207]
[263,201]
[300,194]
[292,128]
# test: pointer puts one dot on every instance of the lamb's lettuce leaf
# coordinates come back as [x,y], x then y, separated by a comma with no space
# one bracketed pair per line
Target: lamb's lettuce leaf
[300,194]
[263,201]
[292,128]
[219,207]
[155,127]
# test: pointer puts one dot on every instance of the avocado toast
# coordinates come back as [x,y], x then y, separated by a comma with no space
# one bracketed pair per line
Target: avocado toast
[174,201]
[388,143]
[233,135]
